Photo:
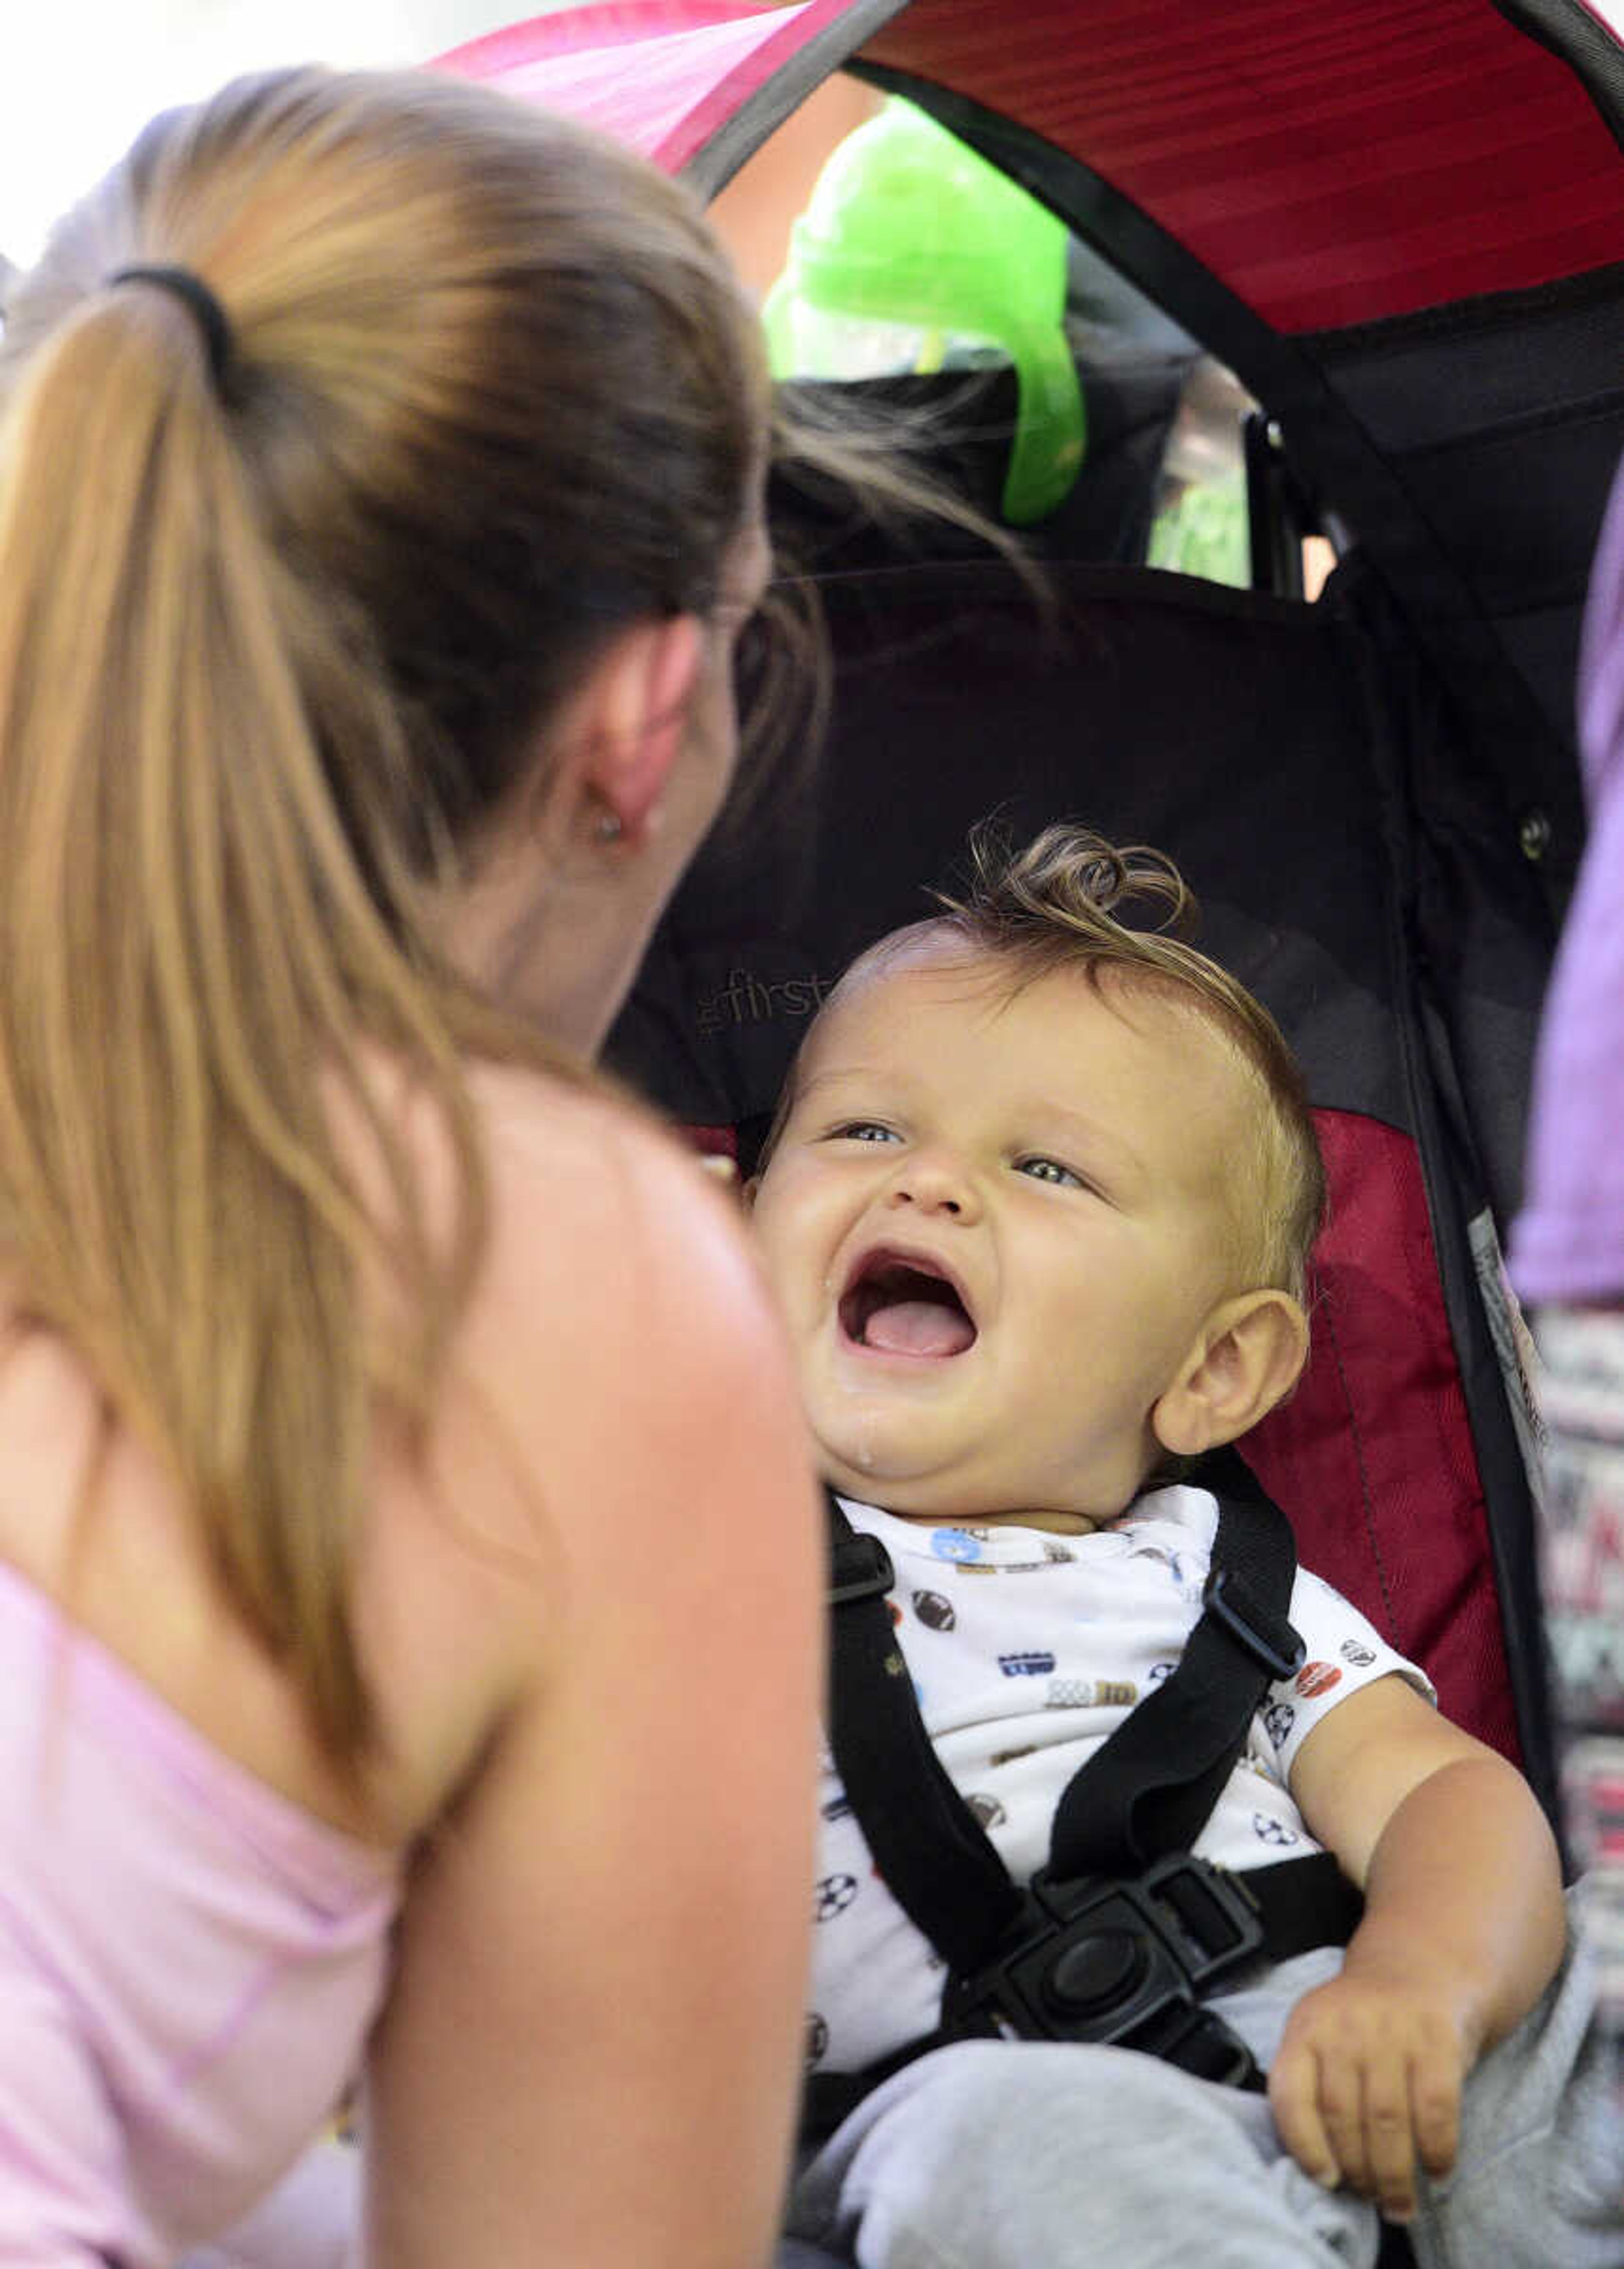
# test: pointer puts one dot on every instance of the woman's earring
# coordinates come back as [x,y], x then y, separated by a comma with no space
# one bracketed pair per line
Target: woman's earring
[607,827]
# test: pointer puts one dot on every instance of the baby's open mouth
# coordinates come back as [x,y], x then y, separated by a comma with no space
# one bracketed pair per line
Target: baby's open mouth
[904,1307]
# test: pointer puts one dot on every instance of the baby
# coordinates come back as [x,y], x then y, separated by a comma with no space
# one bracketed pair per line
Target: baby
[1037,1206]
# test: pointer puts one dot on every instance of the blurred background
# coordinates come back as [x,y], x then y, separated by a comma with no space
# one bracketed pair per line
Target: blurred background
[77,81]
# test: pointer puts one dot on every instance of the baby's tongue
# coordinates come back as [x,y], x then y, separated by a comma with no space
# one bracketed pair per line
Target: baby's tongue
[919,1327]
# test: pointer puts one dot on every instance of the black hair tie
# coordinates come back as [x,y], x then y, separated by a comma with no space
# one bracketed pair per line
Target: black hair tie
[210,317]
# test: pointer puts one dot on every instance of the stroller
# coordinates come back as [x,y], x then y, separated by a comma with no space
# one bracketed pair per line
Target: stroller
[1401,229]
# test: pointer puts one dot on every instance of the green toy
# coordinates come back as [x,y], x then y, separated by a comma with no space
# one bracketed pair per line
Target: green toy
[911,232]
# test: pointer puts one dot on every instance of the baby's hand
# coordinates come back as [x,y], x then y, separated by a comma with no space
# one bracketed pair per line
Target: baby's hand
[1368,2080]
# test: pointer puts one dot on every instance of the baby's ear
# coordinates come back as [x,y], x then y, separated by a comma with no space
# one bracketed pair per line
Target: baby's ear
[1246,1357]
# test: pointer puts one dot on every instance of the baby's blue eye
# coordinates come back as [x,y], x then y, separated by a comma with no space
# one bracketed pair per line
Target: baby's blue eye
[866,1130]
[1050,1170]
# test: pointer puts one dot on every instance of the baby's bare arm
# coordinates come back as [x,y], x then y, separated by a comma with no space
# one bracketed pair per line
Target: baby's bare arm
[1463,1929]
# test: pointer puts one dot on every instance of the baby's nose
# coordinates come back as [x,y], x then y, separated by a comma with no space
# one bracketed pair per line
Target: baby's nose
[935,1182]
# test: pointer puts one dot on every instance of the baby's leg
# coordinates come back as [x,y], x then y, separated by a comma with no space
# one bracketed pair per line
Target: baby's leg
[1540,2178]
[1005,2154]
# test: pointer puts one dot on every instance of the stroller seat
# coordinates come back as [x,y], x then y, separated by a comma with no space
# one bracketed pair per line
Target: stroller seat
[1258,742]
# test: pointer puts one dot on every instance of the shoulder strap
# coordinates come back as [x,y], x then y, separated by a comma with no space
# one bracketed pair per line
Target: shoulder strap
[1145,1792]
[933,1852]
[1150,1790]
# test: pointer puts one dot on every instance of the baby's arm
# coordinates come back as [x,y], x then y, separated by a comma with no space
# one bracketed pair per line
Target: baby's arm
[1463,1929]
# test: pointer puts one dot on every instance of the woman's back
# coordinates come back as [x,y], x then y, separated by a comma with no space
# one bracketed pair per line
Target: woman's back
[520,1554]
[90,1518]
[395,1418]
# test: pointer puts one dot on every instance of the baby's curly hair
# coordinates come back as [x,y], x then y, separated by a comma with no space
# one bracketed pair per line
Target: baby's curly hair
[1058,903]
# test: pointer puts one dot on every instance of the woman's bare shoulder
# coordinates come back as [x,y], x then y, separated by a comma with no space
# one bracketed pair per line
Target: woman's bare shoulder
[663,1687]
[619,1380]
[603,1220]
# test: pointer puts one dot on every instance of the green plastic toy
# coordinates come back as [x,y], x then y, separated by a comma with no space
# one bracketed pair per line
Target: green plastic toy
[909,232]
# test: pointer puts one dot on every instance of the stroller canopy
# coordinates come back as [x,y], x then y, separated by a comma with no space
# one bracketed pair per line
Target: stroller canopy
[1400,224]
[1399,221]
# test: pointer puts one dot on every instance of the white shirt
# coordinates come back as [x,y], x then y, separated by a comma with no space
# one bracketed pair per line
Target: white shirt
[1027,1650]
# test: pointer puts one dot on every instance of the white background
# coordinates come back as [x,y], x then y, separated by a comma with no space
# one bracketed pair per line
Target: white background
[78,78]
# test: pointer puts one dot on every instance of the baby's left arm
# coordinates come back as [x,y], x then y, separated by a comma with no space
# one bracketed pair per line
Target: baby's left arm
[1464,1927]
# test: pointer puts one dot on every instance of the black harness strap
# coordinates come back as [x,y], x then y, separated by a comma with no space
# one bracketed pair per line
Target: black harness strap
[1150,1788]
[1302,1904]
[930,1848]
[1123,1829]
[1147,1790]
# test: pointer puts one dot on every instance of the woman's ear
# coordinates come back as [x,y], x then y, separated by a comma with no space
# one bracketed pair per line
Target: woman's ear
[630,720]
[1247,1357]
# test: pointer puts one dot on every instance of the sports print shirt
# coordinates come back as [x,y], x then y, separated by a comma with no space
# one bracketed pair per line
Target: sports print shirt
[1027,1650]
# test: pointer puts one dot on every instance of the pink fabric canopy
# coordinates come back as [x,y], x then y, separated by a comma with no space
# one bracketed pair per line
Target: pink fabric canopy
[1332,163]
[663,75]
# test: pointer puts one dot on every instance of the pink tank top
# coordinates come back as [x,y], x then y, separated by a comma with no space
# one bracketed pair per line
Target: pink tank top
[189,1964]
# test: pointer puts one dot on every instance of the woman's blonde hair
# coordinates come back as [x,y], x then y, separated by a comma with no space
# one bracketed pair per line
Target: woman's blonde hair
[274,638]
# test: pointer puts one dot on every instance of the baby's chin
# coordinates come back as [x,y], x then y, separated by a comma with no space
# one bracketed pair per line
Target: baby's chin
[911,1496]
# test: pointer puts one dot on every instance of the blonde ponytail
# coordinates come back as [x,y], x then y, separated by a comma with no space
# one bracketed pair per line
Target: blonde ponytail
[264,660]
[187,946]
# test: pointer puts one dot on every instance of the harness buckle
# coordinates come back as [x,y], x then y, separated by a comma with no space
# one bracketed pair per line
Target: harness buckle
[1227,1598]
[861,1566]
[1121,1963]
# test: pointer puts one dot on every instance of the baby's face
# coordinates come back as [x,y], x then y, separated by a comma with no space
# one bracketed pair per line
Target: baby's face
[995,1224]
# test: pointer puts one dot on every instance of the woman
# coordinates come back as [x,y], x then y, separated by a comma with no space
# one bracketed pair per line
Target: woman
[1568,1258]
[397,1460]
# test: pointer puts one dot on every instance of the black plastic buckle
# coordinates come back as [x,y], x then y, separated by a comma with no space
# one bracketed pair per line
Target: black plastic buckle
[861,1567]
[1229,1601]
[1121,1963]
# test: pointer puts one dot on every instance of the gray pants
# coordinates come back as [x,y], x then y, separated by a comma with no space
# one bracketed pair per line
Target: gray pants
[1034,2155]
